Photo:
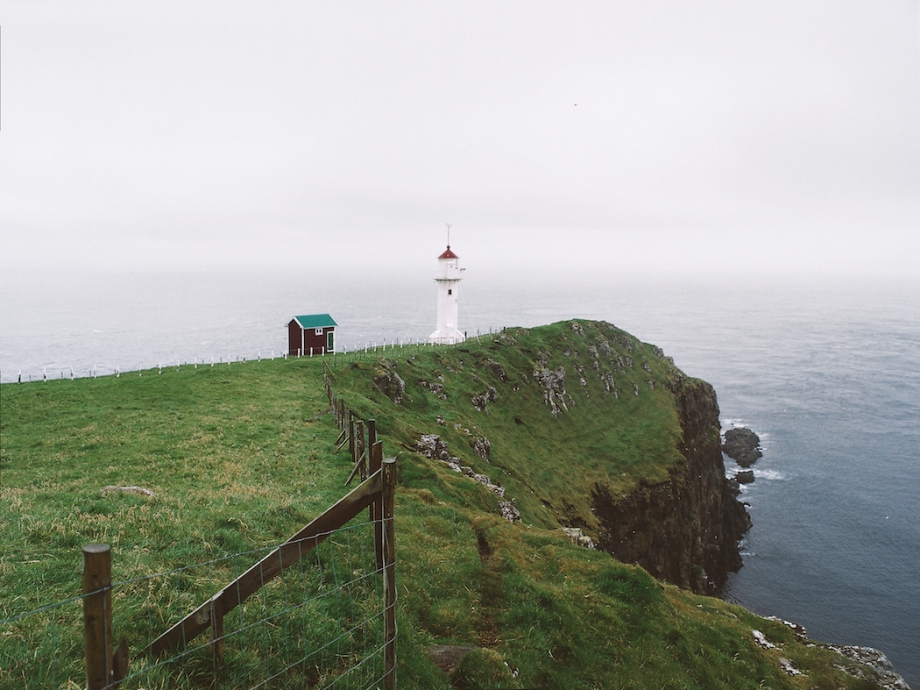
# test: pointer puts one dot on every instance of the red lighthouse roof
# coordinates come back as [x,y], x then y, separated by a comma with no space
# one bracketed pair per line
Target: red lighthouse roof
[448,254]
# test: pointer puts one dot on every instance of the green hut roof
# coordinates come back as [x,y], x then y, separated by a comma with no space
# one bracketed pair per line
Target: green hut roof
[315,321]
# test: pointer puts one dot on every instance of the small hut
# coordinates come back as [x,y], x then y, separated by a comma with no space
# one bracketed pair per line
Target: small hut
[311,334]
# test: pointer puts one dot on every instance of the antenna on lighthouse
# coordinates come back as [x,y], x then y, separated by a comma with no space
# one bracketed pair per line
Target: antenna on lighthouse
[448,235]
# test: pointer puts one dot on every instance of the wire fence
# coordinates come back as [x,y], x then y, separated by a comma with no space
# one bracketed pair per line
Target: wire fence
[319,624]
[56,372]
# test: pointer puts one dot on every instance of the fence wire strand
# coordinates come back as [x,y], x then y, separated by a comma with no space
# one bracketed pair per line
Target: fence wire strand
[320,629]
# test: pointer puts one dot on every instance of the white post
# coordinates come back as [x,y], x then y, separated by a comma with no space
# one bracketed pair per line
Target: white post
[311,350]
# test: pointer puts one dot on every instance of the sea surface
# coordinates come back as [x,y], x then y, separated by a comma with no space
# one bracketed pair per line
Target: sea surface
[826,372]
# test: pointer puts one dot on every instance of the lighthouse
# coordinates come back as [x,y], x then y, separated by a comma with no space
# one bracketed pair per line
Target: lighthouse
[448,280]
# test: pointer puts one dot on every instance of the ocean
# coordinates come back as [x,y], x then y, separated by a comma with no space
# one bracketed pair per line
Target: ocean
[826,372]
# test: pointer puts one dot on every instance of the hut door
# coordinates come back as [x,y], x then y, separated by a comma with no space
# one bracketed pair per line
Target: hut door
[330,341]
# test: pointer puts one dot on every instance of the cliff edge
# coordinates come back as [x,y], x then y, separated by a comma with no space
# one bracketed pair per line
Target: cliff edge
[576,425]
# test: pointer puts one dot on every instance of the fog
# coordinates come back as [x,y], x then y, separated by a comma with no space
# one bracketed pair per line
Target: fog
[655,138]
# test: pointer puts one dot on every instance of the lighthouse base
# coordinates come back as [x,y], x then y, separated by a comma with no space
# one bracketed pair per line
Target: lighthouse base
[449,336]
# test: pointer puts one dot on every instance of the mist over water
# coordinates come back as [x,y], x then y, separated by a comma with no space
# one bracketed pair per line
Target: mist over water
[827,375]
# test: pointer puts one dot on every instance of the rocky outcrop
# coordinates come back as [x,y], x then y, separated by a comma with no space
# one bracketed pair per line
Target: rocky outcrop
[745,477]
[742,445]
[434,447]
[873,667]
[390,383]
[684,530]
[553,382]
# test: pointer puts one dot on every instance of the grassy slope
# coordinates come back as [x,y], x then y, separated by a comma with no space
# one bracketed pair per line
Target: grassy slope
[238,461]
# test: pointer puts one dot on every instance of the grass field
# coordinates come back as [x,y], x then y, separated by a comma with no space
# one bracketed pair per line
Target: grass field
[241,456]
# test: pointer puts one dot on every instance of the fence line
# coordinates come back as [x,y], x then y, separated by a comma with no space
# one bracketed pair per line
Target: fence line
[327,629]
[57,372]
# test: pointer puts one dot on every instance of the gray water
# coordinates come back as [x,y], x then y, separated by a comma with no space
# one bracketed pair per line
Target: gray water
[828,374]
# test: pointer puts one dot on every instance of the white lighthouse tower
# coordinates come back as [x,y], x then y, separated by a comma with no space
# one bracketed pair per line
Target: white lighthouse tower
[448,279]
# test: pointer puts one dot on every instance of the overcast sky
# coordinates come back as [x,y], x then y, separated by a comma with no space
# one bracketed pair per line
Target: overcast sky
[578,136]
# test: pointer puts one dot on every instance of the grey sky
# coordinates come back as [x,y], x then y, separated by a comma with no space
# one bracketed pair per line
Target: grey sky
[646,136]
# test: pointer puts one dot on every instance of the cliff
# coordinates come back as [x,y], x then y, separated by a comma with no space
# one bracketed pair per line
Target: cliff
[684,530]
[581,426]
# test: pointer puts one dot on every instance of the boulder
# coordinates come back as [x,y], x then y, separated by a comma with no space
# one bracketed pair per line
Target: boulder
[742,445]
[745,476]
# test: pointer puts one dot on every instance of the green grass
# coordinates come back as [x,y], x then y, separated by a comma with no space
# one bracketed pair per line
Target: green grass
[241,456]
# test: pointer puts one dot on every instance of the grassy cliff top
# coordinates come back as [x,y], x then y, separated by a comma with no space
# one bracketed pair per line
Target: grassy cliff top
[558,408]
[241,456]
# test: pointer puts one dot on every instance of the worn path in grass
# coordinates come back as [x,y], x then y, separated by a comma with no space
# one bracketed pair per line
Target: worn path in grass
[240,456]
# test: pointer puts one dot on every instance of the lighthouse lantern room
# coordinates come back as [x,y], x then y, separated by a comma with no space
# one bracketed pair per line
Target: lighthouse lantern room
[448,280]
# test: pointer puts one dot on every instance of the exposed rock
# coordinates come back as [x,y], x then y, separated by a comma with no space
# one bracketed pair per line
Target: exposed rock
[745,477]
[576,536]
[509,510]
[482,447]
[876,666]
[391,384]
[498,371]
[434,447]
[553,383]
[576,327]
[742,445]
[609,386]
[480,402]
[799,630]
[762,640]
[787,667]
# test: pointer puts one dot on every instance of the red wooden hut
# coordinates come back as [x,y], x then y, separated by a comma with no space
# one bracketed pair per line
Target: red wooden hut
[311,334]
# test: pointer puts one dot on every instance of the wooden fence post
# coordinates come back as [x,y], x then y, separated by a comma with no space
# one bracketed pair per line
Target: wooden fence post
[389,574]
[351,435]
[376,508]
[97,614]
[359,442]
[371,432]
[217,632]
